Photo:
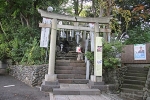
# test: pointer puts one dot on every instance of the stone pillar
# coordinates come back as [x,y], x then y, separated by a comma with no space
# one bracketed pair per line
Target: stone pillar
[52,47]
[96,81]
[51,78]
[96,78]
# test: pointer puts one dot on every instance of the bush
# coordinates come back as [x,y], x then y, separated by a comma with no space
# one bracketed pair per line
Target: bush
[110,50]
[22,46]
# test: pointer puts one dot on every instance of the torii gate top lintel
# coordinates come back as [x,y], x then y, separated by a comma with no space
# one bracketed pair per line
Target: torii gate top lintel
[101,20]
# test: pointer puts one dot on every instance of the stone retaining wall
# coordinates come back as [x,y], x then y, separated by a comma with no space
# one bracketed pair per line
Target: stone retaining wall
[115,76]
[31,75]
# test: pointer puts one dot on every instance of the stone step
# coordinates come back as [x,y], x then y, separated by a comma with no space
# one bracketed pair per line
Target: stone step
[2,71]
[129,96]
[70,61]
[72,52]
[69,68]
[100,87]
[137,71]
[82,72]
[135,78]
[138,68]
[134,82]
[71,76]
[73,64]
[73,81]
[136,74]
[132,91]
[130,86]
[66,58]
[76,91]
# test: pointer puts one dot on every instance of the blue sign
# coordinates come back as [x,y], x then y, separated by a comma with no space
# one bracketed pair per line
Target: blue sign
[139,52]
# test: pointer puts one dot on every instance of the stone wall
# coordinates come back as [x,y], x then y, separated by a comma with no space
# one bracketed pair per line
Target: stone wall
[31,75]
[115,76]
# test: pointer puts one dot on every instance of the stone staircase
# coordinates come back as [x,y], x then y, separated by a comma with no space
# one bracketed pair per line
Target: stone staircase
[71,71]
[71,55]
[71,75]
[134,82]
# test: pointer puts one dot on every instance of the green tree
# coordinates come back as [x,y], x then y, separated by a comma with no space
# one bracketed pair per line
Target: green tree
[19,29]
[138,36]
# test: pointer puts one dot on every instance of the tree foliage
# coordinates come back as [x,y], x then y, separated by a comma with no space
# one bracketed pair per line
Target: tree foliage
[19,31]
[138,36]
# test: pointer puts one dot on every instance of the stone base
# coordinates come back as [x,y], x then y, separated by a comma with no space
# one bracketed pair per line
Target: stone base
[96,78]
[101,86]
[51,77]
[95,83]
[48,86]
[76,92]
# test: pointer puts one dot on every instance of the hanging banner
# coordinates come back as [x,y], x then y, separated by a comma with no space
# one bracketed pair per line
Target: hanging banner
[91,25]
[98,57]
[45,34]
[62,33]
[78,37]
[140,52]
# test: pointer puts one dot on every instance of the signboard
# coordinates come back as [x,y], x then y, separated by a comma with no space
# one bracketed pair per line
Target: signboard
[45,34]
[140,52]
[98,57]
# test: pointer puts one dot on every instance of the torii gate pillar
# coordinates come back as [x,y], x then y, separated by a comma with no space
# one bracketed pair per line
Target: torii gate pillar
[51,76]
[95,78]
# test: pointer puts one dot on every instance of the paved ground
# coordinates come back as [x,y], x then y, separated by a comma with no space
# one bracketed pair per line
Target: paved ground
[85,97]
[20,91]
[103,96]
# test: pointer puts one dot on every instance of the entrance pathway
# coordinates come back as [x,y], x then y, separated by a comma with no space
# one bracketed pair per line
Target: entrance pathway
[86,97]
[13,89]
[82,97]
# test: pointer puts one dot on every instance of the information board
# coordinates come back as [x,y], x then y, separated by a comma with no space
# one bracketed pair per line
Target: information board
[140,52]
[98,56]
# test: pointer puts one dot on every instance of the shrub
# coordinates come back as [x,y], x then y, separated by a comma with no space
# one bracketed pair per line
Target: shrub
[110,50]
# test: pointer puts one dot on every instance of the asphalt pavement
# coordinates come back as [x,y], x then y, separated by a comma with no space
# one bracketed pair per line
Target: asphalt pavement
[13,89]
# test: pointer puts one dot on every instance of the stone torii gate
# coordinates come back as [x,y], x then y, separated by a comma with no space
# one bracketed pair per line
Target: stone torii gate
[51,77]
